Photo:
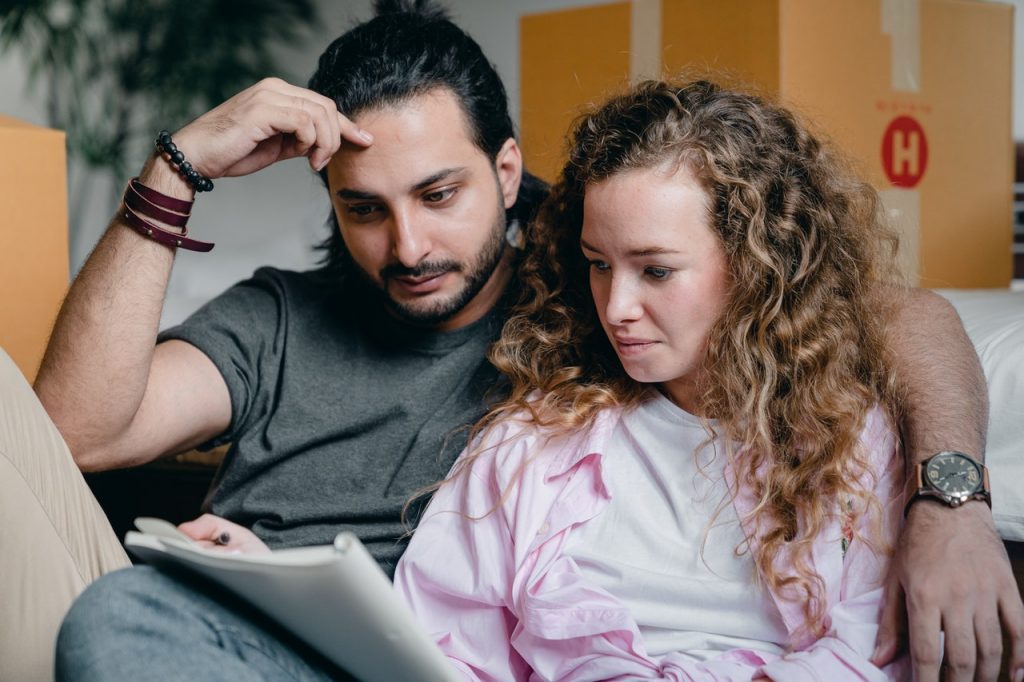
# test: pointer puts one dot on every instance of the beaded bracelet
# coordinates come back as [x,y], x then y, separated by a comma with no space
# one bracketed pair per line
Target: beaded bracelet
[165,145]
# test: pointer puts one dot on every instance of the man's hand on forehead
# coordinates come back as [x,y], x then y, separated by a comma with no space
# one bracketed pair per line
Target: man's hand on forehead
[266,123]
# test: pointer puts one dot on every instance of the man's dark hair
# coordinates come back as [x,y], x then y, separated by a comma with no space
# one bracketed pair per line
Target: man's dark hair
[408,49]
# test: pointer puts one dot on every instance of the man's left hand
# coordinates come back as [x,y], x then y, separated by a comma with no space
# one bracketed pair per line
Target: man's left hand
[953,569]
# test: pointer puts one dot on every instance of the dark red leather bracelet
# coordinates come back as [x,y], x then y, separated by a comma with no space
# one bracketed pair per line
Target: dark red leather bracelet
[138,203]
[165,237]
[161,199]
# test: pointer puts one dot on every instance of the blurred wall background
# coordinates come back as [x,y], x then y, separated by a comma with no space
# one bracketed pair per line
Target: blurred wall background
[276,216]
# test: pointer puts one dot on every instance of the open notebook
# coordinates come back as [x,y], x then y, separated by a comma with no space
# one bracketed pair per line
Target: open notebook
[333,597]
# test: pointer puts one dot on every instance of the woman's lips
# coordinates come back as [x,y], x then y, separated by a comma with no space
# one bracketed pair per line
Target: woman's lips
[629,346]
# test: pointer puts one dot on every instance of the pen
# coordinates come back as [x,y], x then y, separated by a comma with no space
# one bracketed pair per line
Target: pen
[222,539]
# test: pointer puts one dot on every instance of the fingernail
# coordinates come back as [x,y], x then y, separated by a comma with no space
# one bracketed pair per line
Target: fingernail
[365,135]
[1018,675]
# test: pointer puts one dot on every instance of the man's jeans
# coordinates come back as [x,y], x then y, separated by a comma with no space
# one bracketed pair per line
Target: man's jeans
[144,624]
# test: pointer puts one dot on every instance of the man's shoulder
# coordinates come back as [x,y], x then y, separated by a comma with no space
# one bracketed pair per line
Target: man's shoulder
[267,299]
[314,293]
[304,281]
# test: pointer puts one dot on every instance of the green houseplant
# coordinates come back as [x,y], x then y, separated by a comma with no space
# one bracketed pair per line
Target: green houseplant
[113,72]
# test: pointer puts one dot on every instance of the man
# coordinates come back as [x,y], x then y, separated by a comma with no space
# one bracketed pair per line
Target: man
[338,388]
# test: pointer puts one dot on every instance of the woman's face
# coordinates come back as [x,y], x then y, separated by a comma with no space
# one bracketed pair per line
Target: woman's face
[658,274]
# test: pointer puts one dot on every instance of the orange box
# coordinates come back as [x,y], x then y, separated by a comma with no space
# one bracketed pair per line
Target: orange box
[917,91]
[558,75]
[34,258]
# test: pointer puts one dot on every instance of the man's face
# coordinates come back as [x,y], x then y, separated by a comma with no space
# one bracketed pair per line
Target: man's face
[422,210]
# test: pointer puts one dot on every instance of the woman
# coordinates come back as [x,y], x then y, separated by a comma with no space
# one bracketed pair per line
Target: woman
[694,475]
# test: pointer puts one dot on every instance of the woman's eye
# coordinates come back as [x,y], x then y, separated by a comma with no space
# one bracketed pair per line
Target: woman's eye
[657,273]
[598,265]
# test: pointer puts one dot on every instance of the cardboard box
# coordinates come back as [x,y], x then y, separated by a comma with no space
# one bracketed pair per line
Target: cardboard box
[34,261]
[917,91]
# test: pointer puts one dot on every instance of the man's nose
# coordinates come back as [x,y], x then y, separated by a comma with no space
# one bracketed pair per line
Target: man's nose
[409,241]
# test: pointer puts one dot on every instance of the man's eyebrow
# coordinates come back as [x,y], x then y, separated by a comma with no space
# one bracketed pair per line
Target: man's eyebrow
[355,194]
[350,194]
[645,251]
[437,177]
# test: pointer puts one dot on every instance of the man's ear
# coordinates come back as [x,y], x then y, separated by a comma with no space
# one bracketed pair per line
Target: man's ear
[508,166]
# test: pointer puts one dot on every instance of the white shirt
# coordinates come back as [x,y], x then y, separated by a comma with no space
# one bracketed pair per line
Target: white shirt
[646,547]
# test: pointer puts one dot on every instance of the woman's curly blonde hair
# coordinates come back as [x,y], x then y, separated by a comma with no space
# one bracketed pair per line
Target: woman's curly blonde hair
[797,358]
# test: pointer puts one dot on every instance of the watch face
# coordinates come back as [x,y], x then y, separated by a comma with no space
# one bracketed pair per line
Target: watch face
[953,474]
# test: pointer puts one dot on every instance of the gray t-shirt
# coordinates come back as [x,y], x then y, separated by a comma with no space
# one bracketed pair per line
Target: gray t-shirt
[339,411]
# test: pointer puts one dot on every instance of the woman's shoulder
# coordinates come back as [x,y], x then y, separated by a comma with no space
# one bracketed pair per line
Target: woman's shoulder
[879,440]
[879,430]
[520,438]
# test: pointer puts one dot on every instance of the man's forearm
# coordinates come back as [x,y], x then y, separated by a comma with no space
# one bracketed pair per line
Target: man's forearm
[939,379]
[94,373]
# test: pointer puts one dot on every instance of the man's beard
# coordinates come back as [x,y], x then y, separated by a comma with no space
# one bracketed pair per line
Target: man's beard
[476,275]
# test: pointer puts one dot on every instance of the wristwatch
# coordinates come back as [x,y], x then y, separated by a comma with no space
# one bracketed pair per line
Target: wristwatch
[952,478]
